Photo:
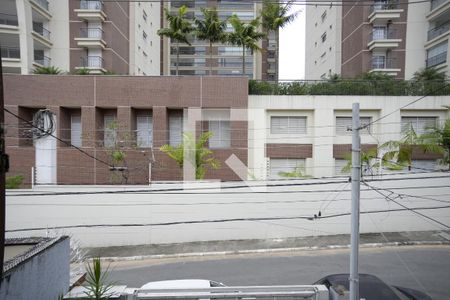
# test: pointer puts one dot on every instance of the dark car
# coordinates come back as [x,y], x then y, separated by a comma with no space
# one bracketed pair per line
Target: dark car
[372,288]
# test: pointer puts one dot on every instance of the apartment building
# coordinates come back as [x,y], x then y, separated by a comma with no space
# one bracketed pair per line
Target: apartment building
[79,34]
[226,59]
[396,38]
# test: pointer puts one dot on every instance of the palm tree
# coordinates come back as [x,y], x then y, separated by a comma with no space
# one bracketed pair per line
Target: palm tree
[203,155]
[401,151]
[275,16]
[437,140]
[178,30]
[210,29]
[245,35]
[430,81]
[47,70]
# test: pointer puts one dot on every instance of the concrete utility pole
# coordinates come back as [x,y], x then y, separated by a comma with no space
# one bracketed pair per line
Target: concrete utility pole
[2,172]
[356,178]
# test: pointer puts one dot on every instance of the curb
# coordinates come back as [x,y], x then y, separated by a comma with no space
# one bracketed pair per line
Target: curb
[271,250]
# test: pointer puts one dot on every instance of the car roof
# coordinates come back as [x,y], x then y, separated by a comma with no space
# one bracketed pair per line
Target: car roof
[178,284]
[370,286]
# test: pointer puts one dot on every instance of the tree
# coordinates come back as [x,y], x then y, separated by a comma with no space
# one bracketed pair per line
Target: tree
[47,70]
[210,29]
[178,30]
[275,16]
[430,81]
[245,35]
[203,155]
[437,140]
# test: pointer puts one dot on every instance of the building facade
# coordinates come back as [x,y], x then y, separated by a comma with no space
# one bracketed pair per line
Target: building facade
[226,58]
[75,35]
[392,37]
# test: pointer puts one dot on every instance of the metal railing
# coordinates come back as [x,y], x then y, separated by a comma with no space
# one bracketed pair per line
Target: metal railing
[436,60]
[10,52]
[91,4]
[437,31]
[383,34]
[383,5]
[92,62]
[96,33]
[42,60]
[39,28]
[42,3]
[7,19]
[381,62]
[436,3]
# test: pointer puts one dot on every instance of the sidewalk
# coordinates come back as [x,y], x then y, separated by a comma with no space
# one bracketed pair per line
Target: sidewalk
[270,245]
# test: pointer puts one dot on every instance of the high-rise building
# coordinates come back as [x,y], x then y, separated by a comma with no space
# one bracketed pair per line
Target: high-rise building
[114,36]
[392,37]
[194,59]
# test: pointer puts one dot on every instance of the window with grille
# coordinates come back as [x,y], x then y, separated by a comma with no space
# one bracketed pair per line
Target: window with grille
[343,123]
[221,134]
[418,124]
[144,131]
[75,130]
[175,129]
[109,131]
[286,166]
[288,125]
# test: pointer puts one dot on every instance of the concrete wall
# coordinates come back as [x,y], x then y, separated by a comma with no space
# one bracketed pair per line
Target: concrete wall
[44,276]
[212,204]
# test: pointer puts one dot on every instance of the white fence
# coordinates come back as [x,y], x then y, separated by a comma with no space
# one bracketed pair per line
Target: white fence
[165,213]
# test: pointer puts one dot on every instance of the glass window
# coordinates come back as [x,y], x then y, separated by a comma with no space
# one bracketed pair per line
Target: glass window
[278,166]
[175,129]
[418,124]
[75,130]
[144,131]
[110,131]
[288,125]
[344,123]
[221,134]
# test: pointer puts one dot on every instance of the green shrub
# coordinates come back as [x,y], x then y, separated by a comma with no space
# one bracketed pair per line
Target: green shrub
[14,182]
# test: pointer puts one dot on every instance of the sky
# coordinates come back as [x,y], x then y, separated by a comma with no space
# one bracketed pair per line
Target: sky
[292,47]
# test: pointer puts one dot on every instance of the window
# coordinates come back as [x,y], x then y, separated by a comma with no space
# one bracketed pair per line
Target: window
[418,124]
[324,37]
[144,35]
[278,166]
[324,16]
[75,130]
[144,15]
[343,123]
[221,134]
[144,131]
[175,129]
[109,130]
[288,125]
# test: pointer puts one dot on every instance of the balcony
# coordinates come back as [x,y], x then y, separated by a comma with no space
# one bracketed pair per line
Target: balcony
[436,3]
[439,30]
[91,38]
[95,64]
[436,60]
[383,39]
[42,7]
[10,52]
[438,9]
[42,60]
[8,20]
[384,65]
[91,10]
[383,11]
[41,34]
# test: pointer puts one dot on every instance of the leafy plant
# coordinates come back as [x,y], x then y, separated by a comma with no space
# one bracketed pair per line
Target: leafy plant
[202,158]
[83,71]
[178,30]
[47,70]
[298,172]
[437,140]
[14,182]
[97,279]
[429,81]
[210,29]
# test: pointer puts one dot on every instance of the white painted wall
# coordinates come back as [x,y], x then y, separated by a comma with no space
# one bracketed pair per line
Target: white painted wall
[321,112]
[59,27]
[63,210]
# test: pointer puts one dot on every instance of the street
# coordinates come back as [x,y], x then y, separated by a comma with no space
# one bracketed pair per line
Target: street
[425,268]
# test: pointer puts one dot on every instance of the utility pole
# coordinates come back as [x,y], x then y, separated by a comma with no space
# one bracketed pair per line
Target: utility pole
[356,178]
[3,167]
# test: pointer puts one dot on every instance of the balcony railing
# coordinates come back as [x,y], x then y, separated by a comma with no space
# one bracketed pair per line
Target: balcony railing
[96,33]
[383,5]
[436,3]
[39,28]
[96,62]
[42,60]
[437,31]
[381,62]
[91,5]
[42,3]
[7,19]
[10,52]
[383,34]
[436,60]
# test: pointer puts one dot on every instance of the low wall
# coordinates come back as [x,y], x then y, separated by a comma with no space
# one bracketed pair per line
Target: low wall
[112,216]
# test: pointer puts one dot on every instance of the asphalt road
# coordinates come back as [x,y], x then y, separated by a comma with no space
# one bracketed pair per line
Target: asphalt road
[426,268]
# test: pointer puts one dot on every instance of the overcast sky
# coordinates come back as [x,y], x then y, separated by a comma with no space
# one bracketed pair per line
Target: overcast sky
[292,48]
